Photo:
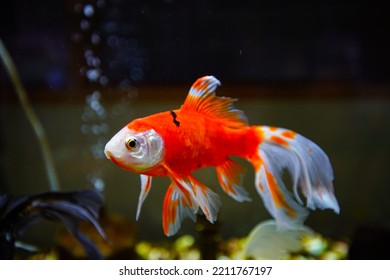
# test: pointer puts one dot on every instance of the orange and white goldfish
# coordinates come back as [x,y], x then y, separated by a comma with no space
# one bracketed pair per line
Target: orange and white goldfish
[207,131]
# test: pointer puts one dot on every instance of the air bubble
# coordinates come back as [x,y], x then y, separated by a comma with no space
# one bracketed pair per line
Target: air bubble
[100,4]
[84,24]
[85,117]
[95,129]
[95,38]
[96,95]
[97,151]
[88,53]
[103,80]
[93,61]
[95,105]
[136,74]
[113,41]
[111,27]
[99,184]
[88,10]
[124,84]
[101,112]
[93,74]
[84,128]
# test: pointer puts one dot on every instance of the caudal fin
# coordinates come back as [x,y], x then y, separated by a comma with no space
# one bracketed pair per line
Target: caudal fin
[310,169]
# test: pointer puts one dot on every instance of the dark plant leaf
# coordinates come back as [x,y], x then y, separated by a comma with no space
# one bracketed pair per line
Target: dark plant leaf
[17,214]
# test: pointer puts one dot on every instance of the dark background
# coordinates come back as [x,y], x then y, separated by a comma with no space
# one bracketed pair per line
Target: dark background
[171,41]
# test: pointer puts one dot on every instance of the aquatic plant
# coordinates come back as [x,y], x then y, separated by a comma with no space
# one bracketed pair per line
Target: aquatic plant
[32,117]
[19,213]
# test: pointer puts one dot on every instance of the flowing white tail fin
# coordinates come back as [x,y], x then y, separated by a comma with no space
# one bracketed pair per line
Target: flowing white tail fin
[310,169]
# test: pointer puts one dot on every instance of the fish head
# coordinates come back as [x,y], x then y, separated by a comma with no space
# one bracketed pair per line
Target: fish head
[135,151]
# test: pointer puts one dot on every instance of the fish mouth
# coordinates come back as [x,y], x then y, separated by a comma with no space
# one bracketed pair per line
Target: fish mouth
[111,157]
[108,154]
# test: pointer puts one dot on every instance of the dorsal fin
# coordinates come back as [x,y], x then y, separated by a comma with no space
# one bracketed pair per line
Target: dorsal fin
[201,98]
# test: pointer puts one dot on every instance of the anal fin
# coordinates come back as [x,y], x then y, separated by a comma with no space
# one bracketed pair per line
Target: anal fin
[208,200]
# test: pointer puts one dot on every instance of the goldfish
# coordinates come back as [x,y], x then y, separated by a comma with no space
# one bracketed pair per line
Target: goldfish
[208,131]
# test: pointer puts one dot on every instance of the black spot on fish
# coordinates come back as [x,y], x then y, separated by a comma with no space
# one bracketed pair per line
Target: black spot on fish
[199,165]
[175,121]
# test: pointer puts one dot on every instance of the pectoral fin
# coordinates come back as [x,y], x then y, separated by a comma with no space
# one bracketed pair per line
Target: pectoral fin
[146,183]
[178,205]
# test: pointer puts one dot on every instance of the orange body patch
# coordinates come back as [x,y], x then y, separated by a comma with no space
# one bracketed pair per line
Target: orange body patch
[279,140]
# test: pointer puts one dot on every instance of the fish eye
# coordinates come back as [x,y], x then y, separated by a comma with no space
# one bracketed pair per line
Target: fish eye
[131,144]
